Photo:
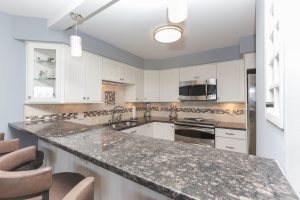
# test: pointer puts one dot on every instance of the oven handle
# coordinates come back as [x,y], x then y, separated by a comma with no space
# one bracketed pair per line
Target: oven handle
[184,128]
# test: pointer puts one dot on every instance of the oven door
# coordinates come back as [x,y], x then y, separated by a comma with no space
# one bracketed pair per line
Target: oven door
[192,90]
[195,135]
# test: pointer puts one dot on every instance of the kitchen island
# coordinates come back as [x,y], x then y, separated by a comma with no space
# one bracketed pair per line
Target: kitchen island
[172,169]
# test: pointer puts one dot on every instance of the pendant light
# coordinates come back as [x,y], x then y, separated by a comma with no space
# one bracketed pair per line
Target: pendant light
[177,10]
[75,40]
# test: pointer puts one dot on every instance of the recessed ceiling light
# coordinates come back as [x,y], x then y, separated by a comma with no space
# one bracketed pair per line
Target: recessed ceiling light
[168,34]
[177,10]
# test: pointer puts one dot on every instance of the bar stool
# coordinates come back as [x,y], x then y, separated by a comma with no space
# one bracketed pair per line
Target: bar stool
[8,146]
[40,183]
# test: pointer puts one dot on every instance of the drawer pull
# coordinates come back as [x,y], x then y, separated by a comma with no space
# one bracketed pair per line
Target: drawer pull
[228,147]
[229,133]
[133,131]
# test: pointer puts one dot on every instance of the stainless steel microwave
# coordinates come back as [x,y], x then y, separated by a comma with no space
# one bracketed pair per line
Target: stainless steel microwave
[201,90]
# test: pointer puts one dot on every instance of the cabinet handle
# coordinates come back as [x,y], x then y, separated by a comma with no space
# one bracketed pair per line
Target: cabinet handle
[229,133]
[29,97]
[133,131]
[228,147]
[83,98]
[88,98]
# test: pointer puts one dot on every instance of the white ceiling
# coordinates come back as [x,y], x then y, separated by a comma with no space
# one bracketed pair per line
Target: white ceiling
[129,24]
[211,24]
[34,8]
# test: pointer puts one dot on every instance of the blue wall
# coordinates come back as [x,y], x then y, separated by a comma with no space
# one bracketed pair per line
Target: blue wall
[12,75]
[246,45]
[35,29]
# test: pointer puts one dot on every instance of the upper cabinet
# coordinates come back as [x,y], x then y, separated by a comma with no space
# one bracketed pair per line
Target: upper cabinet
[54,76]
[169,85]
[83,78]
[44,73]
[135,92]
[111,70]
[199,72]
[231,81]
[115,71]
[151,86]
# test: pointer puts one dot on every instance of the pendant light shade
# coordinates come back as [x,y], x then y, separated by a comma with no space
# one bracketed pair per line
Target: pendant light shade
[177,10]
[76,48]
[75,40]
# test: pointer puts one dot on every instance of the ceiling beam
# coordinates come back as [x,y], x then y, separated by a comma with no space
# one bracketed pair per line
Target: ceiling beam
[61,20]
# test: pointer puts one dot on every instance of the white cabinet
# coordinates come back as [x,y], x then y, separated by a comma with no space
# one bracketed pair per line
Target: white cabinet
[93,77]
[250,60]
[158,130]
[231,140]
[169,84]
[151,85]
[111,70]
[128,74]
[231,80]
[135,92]
[83,78]
[44,73]
[199,72]
[164,131]
[118,72]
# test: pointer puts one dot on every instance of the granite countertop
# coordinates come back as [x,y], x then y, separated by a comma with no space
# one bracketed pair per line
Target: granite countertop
[218,124]
[174,169]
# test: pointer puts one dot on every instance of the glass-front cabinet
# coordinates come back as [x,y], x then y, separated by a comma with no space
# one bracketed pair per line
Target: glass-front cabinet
[43,72]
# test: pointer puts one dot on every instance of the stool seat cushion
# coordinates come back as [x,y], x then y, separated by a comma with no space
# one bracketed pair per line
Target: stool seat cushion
[62,183]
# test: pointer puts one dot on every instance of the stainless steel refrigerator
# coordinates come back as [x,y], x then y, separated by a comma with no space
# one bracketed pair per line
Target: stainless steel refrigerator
[251,111]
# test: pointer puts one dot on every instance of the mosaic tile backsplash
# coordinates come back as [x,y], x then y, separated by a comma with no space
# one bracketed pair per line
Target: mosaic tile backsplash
[100,113]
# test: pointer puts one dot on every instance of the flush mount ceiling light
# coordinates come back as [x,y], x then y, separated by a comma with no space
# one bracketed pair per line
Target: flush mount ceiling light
[75,40]
[168,34]
[177,10]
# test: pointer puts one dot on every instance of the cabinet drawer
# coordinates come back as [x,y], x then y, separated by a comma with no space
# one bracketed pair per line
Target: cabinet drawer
[231,144]
[231,133]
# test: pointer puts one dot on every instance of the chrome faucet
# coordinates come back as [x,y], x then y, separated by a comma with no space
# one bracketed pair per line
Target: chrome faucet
[115,119]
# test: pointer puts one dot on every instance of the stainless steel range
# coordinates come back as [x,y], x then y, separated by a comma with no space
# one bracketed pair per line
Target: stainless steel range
[195,130]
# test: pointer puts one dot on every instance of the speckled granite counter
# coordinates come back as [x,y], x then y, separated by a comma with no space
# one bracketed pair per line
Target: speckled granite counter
[174,169]
[217,124]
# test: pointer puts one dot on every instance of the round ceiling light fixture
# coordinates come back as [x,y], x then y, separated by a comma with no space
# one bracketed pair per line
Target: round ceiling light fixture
[167,34]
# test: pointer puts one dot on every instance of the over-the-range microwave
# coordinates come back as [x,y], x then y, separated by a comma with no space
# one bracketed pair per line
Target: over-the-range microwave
[198,90]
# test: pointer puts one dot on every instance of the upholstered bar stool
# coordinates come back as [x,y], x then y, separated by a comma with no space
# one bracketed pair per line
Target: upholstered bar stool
[8,146]
[40,183]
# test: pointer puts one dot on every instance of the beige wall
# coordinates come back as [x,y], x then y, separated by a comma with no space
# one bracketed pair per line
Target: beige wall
[230,112]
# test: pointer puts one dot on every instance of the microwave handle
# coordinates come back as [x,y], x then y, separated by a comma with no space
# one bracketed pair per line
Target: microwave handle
[206,88]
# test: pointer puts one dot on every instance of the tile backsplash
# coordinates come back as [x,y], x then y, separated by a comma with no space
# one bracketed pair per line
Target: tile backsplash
[100,113]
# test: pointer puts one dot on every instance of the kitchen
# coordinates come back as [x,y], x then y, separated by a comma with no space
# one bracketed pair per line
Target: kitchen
[138,120]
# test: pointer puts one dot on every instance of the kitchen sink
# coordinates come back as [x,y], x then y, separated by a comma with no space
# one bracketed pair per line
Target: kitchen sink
[123,124]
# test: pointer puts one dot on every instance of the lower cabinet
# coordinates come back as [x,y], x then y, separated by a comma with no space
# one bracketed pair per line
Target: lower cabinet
[231,140]
[108,185]
[158,130]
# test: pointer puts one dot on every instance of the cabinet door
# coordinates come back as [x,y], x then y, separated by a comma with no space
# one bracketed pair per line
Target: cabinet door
[188,73]
[205,72]
[111,70]
[151,85]
[135,92]
[93,77]
[231,144]
[231,80]
[128,74]
[164,131]
[74,78]
[44,73]
[169,85]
